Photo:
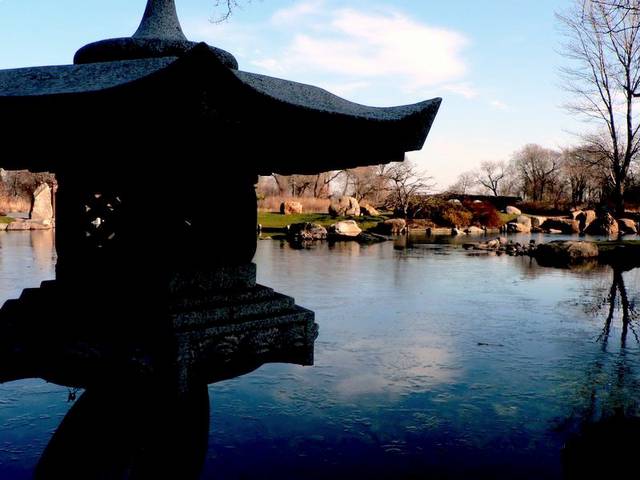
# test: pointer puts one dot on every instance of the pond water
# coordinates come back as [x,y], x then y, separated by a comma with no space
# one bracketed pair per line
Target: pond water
[431,362]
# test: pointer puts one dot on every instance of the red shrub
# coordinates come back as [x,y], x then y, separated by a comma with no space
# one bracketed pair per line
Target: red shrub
[484,215]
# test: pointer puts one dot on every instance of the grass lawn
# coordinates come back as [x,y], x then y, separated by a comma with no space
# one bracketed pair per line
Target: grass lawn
[270,220]
[507,217]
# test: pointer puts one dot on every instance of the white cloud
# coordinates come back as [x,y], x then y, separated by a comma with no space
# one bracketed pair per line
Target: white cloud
[297,12]
[355,44]
[464,89]
[499,105]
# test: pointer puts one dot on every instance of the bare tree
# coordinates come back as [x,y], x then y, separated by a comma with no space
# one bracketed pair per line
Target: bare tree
[406,182]
[368,183]
[603,45]
[537,169]
[581,171]
[465,183]
[491,175]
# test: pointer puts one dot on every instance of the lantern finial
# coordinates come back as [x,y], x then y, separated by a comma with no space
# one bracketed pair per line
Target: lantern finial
[160,21]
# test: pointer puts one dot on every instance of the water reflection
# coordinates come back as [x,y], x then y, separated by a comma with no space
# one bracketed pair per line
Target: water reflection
[139,390]
[430,363]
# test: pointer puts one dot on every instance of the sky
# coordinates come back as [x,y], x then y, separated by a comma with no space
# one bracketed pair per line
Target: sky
[494,62]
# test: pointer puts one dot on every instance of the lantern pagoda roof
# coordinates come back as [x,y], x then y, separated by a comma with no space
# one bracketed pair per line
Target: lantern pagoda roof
[273,109]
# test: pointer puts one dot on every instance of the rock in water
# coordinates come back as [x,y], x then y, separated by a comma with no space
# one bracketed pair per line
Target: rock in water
[347,228]
[524,220]
[304,232]
[627,226]
[603,225]
[586,218]
[570,251]
[393,226]
[565,225]
[42,207]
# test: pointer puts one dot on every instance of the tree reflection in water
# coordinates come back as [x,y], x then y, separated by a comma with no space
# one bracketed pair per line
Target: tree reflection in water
[618,302]
[609,425]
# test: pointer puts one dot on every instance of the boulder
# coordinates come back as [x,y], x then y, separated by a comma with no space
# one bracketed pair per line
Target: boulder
[571,251]
[19,225]
[513,210]
[537,221]
[524,220]
[369,238]
[586,218]
[565,225]
[304,232]
[346,228]
[603,225]
[474,231]
[3,226]
[454,201]
[42,206]
[344,207]
[367,209]
[627,226]
[290,207]
[514,227]
[393,226]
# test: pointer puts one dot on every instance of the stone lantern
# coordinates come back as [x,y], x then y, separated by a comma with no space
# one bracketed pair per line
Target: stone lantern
[156,143]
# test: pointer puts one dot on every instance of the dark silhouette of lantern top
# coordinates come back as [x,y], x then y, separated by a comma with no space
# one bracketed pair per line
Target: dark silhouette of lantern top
[157,142]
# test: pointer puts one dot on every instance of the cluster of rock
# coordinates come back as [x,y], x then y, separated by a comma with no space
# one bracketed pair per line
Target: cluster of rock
[41,213]
[340,207]
[502,245]
[302,233]
[562,252]
[350,207]
[472,230]
[586,222]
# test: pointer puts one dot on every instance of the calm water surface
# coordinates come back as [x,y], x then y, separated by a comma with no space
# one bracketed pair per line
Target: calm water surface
[431,361]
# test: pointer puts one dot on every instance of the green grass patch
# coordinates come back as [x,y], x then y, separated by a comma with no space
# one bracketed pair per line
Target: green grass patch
[270,220]
[7,219]
[507,217]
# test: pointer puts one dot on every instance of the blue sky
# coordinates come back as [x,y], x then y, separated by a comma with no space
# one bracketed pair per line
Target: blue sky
[493,61]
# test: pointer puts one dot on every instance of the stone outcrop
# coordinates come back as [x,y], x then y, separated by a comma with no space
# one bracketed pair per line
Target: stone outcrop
[367,209]
[515,227]
[305,232]
[566,251]
[42,206]
[585,218]
[627,226]
[474,231]
[344,207]
[537,221]
[513,210]
[565,225]
[393,226]
[603,225]
[290,207]
[346,228]
[524,220]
